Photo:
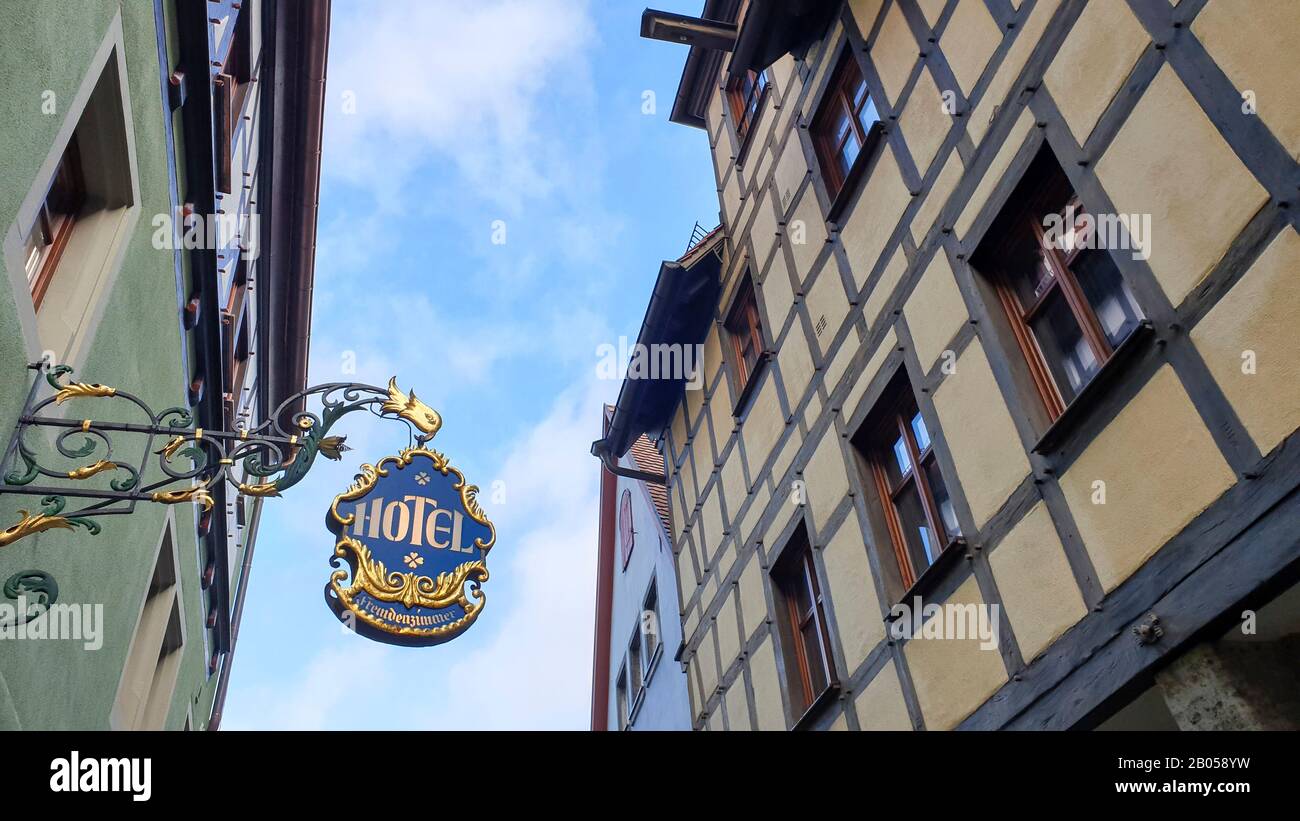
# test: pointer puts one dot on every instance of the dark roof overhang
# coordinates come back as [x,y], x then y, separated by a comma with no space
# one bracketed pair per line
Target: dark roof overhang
[702,63]
[681,308]
[774,28]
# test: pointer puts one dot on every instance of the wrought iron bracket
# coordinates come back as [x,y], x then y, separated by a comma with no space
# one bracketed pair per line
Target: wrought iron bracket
[263,460]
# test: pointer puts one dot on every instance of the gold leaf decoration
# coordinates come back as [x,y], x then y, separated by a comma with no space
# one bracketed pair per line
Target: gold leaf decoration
[198,493]
[264,489]
[408,407]
[31,523]
[82,389]
[90,470]
[168,450]
[410,589]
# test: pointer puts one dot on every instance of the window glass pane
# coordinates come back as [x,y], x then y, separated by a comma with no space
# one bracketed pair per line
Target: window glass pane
[634,667]
[922,435]
[947,514]
[867,115]
[650,624]
[1116,310]
[848,154]
[812,646]
[901,463]
[1067,353]
[922,546]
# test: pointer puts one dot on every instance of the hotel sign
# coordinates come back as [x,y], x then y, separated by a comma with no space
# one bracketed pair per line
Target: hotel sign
[416,542]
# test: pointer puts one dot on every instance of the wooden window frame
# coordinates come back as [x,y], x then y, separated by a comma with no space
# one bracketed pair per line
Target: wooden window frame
[1064,280]
[747,107]
[895,420]
[744,309]
[70,171]
[835,101]
[796,566]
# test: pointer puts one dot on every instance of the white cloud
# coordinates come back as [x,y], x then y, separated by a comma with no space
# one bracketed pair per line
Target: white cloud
[461,81]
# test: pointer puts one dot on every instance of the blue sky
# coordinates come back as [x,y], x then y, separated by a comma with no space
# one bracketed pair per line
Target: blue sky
[444,118]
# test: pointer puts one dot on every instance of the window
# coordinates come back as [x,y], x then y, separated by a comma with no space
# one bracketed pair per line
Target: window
[745,96]
[626,534]
[148,682]
[839,129]
[744,330]
[808,667]
[918,511]
[624,716]
[48,234]
[650,627]
[1068,306]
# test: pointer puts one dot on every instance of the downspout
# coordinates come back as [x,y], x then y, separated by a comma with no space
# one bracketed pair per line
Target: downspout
[601,451]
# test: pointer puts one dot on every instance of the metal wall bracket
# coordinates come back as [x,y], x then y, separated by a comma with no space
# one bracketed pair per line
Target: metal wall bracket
[171,461]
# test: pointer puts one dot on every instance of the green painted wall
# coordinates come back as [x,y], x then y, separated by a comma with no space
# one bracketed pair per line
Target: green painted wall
[54,684]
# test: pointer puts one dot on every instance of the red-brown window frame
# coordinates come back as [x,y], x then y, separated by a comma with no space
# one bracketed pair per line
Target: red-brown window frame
[837,100]
[1063,279]
[745,108]
[744,324]
[70,173]
[896,421]
[797,567]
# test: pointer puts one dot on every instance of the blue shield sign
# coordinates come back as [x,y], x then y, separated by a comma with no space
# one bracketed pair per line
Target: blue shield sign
[416,542]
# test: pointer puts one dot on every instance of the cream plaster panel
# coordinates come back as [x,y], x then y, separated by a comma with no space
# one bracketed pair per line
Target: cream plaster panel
[728,627]
[1145,172]
[954,676]
[796,364]
[778,295]
[1010,67]
[880,705]
[1090,67]
[894,53]
[932,9]
[712,354]
[767,687]
[1006,153]
[1255,45]
[853,593]
[762,426]
[985,447]
[827,303]
[876,213]
[935,311]
[757,504]
[753,605]
[887,346]
[1160,468]
[968,41]
[1035,583]
[679,432]
[763,233]
[841,360]
[937,197]
[711,515]
[707,657]
[825,479]
[730,198]
[1259,314]
[925,122]
[720,406]
[737,706]
[784,457]
[791,170]
[733,483]
[885,285]
[806,225]
[864,14]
